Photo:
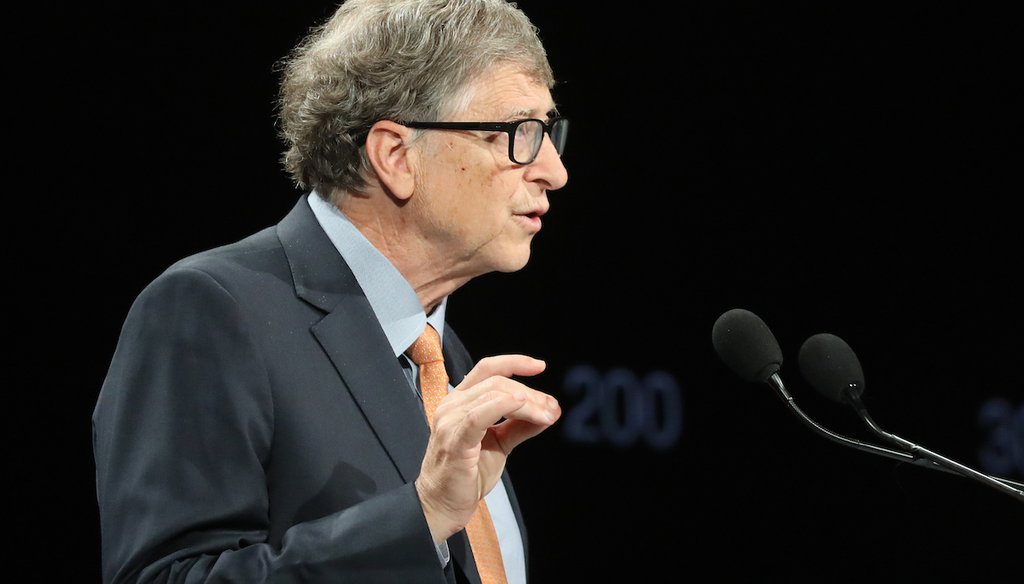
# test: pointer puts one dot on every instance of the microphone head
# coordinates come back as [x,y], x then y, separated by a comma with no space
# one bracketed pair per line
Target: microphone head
[745,343]
[831,367]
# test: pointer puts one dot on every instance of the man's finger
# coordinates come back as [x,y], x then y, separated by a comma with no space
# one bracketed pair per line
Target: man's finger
[502,366]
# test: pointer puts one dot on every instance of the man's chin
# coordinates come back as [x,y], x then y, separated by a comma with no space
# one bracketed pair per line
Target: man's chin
[513,262]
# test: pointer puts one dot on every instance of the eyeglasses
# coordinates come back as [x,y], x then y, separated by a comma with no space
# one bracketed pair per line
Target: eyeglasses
[524,136]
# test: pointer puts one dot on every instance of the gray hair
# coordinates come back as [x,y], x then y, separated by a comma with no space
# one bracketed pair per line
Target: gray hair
[401,60]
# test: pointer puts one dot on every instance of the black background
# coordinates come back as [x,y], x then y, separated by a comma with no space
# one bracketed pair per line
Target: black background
[845,169]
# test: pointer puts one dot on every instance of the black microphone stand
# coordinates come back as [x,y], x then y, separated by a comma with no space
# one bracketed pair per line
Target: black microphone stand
[1005,485]
[775,381]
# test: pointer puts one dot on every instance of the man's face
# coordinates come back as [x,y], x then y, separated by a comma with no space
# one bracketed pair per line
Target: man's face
[479,209]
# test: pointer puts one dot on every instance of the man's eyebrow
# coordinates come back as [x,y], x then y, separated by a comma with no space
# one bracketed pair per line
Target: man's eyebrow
[524,113]
[520,114]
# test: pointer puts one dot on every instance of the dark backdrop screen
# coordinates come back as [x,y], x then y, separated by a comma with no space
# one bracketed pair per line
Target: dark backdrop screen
[831,167]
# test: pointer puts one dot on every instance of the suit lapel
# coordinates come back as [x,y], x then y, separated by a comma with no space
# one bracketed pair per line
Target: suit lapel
[376,382]
[354,341]
[356,345]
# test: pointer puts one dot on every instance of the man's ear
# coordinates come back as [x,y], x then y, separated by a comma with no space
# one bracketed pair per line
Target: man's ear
[387,148]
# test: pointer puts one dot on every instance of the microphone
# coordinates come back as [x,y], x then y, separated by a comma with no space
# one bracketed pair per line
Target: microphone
[744,342]
[829,365]
[747,346]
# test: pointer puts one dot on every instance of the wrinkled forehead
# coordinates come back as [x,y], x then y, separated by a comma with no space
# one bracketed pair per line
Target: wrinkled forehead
[505,92]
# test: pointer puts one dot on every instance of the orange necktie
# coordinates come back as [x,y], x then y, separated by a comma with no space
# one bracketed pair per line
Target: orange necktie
[426,353]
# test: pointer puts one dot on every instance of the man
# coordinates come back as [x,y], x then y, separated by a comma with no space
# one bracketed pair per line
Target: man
[261,420]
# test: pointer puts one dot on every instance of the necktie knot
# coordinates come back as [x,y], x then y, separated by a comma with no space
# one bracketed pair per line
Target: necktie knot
[426,353]
[427,348]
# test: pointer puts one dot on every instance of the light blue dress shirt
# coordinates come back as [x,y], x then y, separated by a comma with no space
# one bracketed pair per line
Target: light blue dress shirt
[401,315]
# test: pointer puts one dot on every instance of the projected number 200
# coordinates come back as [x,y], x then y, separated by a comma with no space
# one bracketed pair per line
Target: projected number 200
[621,408]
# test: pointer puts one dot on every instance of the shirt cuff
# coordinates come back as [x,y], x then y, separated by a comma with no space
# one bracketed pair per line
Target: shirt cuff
[442,553]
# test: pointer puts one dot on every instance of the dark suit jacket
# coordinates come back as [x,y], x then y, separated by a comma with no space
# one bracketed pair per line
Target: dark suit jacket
[255,426]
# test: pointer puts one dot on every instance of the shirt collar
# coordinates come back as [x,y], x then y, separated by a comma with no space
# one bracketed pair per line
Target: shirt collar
[390,295]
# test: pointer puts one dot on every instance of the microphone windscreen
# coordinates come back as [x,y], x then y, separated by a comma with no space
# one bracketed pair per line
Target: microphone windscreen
[831,367]
[746,345]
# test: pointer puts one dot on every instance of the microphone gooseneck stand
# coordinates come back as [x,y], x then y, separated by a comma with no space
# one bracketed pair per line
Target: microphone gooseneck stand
[1004,485]
[775,381]
[914,454]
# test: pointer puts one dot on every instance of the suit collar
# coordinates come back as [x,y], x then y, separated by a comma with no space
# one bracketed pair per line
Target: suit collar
[353,340]
[318,272]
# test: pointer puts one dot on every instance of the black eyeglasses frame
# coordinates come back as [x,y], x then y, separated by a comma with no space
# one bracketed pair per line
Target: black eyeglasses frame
[509,128]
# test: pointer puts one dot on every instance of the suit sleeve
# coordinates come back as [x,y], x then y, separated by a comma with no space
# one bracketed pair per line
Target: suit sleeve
[182,434]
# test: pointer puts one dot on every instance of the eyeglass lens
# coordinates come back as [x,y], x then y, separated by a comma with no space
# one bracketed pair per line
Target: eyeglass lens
[530,136]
